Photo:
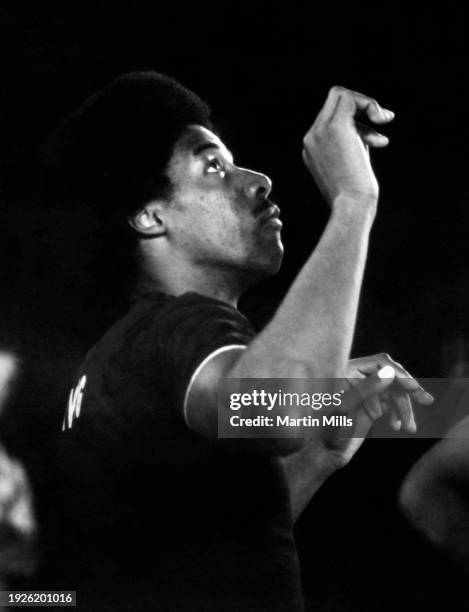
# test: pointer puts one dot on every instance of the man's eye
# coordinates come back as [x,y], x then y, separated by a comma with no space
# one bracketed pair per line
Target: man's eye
[213,166]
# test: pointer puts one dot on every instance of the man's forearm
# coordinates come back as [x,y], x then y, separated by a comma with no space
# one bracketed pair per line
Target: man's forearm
[305,472]
[311,333]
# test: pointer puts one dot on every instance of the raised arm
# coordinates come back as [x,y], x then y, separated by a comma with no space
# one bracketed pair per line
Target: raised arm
[310,335]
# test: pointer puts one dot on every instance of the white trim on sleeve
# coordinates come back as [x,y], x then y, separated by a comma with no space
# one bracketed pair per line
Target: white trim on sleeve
[198,369]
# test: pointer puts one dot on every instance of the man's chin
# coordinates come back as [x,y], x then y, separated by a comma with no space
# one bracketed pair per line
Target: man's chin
[269,264]
[275,262]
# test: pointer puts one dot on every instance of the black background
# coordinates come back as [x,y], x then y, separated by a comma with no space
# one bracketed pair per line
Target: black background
[266,72]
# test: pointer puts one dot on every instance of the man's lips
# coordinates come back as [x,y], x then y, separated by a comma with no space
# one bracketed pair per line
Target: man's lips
[271,211]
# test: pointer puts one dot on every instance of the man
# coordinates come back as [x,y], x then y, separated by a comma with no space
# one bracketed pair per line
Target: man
[160,513]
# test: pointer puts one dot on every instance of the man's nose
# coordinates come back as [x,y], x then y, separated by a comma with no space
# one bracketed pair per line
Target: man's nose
[257,186]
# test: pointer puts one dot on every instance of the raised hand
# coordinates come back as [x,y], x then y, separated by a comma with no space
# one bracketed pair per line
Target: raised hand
[335,149]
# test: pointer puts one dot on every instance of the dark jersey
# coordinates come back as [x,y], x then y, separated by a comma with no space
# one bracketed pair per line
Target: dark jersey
[152,515]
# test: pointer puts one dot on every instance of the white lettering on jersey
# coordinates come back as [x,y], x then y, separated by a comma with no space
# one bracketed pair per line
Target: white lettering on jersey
[74,404]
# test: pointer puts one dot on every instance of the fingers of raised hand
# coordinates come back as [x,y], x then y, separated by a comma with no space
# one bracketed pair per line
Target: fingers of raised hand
[342,103]
[370,137]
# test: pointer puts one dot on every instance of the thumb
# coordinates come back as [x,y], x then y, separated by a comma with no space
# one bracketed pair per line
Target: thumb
[368,387]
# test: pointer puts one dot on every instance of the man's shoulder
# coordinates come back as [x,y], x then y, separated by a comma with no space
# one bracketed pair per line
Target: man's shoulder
[157,319]
[153,308]
[149,355]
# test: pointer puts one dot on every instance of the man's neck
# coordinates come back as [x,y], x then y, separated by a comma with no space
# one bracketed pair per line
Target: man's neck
[176,280]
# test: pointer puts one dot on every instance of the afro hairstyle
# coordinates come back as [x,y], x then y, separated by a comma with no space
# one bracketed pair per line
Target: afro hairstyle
[112,153]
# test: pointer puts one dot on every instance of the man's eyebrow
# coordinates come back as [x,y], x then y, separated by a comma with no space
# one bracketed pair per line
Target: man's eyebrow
[199,148]
[203,146]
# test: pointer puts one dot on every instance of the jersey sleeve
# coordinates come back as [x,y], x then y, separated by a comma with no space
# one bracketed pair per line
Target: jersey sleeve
[131,386]
[186,333]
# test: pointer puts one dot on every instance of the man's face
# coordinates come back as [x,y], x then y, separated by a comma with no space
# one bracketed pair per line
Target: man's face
[219,213]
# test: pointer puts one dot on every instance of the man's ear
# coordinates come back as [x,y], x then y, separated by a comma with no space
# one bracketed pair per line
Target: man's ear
[150,220]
